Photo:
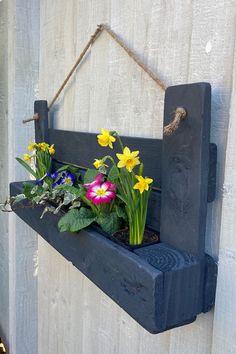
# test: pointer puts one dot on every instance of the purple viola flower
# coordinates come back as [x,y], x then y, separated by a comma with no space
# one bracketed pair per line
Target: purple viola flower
[53,175]
[57,183]
[68,179]
[40,181]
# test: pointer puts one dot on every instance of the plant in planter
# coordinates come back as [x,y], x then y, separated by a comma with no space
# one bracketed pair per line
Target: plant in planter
[132,189]
[114,198]
[81,202]
[54,190]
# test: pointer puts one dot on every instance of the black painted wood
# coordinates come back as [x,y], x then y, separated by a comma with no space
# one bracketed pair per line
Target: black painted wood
[41,125]
[185,168]
[212,173]
[165,285]
[158,285]
[82,148]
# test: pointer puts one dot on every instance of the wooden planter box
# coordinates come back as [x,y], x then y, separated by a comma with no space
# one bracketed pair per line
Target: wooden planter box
[164,285]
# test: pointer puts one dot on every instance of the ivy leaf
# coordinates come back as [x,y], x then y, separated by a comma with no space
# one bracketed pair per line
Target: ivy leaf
[18,198]
[110,223]
[113,174]
[76,219]
[47,209]
[70,189]
[90,175]
[75,204]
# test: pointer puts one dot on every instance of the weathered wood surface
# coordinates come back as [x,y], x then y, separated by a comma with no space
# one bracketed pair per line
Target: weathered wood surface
[19,31]
[184,41]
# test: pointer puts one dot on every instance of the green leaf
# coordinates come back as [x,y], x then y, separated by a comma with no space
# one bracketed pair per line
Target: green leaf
[70,168]
[121,212]
[123,198]
[26,166]
[113,174]
[70,189]
[75,204]
[110,223]
[28,186]
[68,198]
[90,175]
[47,209]
[18,198]
[76,219]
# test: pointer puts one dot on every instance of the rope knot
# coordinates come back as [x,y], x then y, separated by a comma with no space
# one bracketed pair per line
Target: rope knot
[180,114]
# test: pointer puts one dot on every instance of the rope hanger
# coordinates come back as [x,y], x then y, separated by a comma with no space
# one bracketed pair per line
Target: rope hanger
[180,112]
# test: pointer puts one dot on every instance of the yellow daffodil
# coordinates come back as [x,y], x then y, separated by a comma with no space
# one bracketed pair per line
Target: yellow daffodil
[43,146]
[27,157]
[142,184]
[99,163]
[128,159]
[51,150]
[32,146]
[105,138]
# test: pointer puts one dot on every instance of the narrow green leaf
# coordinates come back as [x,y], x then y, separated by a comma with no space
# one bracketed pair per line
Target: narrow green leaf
[26,166]
[27,188]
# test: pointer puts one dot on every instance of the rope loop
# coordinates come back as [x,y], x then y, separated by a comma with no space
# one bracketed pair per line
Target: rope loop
[180,114]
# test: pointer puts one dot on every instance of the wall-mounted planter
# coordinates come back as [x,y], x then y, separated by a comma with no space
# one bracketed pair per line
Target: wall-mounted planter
[164,285]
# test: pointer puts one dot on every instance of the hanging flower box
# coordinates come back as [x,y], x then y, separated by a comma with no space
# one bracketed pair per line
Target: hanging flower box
[161,285]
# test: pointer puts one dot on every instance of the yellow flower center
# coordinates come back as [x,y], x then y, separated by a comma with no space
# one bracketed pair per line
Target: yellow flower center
[130,162]
[67,181]
[100,192]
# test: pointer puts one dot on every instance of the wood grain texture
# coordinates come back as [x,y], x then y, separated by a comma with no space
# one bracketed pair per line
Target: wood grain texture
[109,91]
[185,168]
[18,245]
[4,247]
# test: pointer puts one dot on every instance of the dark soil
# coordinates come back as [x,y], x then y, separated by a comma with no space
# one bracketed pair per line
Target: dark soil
[149,237]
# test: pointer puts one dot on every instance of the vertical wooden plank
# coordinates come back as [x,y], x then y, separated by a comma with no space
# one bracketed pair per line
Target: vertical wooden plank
[211,59]
[185,168]
[21,48]
[4,245]
[41,124]
[225,310]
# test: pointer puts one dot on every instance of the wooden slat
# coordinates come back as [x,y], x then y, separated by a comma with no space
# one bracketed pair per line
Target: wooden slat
[82,148]
[41,125]
[185,168]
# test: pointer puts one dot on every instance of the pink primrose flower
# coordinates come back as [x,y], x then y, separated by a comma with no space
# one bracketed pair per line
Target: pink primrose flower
[98,180]
[101,193]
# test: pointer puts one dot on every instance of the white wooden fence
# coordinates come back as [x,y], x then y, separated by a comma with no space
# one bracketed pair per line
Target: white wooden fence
[46,305]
